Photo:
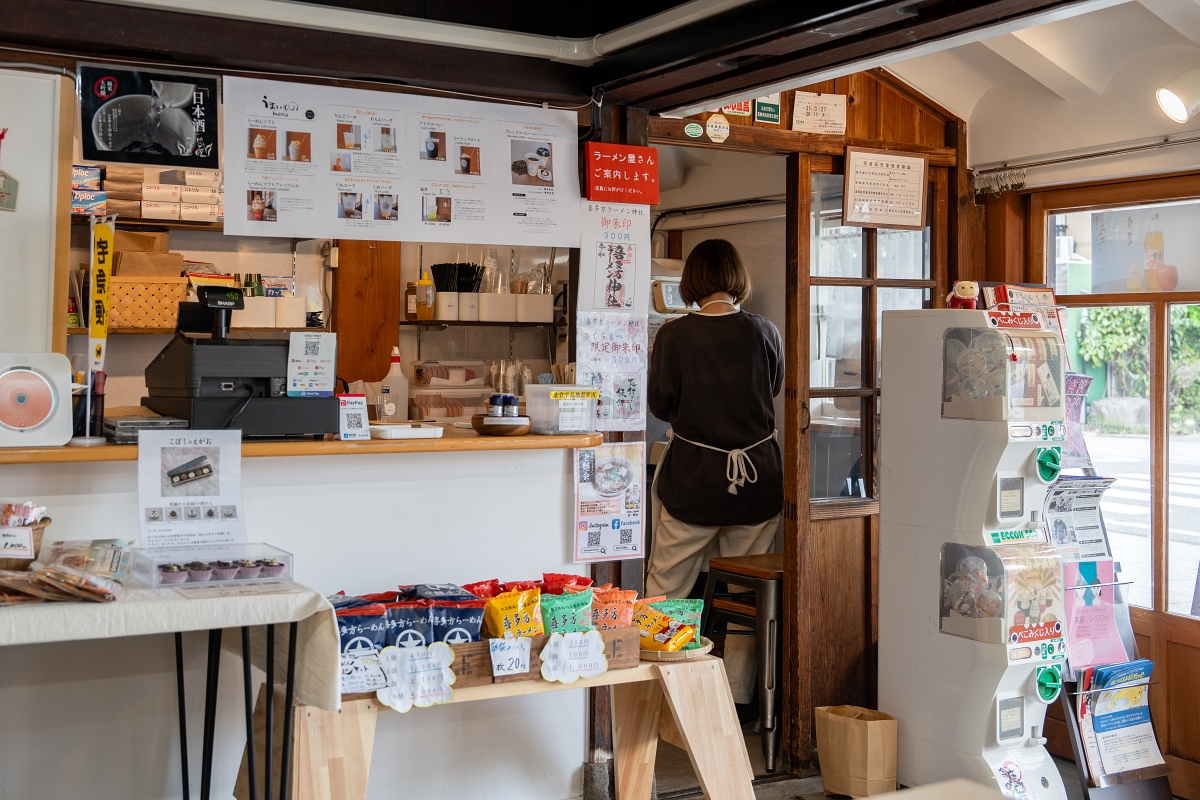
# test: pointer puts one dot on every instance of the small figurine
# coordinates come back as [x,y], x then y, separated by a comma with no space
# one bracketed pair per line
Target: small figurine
[964,295]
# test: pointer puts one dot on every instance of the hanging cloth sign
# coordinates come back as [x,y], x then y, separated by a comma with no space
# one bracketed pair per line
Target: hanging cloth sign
[103,252]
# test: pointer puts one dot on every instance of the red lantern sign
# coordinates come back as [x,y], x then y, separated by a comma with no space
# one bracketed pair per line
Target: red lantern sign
[622,173]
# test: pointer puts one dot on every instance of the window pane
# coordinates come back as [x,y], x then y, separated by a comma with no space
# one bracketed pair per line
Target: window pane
[1146,248]
[1112,345]
[835,337]
[1183,465]
[902,254]
[835,447]
[837,249]
[890,299]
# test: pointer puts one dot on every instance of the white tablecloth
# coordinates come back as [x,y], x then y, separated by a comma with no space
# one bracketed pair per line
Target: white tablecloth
[142,612]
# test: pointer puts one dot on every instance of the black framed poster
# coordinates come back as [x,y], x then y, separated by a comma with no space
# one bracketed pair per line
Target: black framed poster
[152,118]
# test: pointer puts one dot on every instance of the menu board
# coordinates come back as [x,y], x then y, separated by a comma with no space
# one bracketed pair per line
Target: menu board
[322,161]
[885,189]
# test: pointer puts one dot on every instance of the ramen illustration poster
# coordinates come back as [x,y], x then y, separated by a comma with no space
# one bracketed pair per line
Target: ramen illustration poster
[612,355]
[610,482]
[190,488]
[153,118]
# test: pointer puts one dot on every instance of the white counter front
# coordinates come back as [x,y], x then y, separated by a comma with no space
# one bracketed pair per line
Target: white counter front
[98,719]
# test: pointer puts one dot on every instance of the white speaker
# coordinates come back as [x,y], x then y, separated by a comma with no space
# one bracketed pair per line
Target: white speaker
[35,400]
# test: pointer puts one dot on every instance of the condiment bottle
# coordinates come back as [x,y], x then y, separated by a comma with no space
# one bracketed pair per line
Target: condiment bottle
[410,302]
[425,293]
[512,406]
[394,388]
[496,405]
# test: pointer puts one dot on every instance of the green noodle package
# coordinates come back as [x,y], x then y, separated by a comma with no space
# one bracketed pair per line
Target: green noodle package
[568,612]
[687,611]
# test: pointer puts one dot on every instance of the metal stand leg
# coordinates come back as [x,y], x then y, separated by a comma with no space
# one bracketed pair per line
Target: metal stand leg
[270,744]
[183,756]
[249,713]
[768,603]
[210,711]
[285,757]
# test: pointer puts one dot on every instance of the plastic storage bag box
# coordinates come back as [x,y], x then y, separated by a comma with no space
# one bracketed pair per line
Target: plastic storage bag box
[857,750]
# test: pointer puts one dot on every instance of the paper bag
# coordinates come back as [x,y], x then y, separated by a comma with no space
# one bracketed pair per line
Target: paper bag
[857,750]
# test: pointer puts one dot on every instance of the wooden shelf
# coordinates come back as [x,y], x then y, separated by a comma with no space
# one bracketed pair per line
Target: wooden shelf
[454,440]
[161,331]
[146,224]
[442,323]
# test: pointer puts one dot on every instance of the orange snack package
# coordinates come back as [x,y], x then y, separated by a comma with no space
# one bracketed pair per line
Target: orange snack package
[517,613]
[660,632]
[613,608]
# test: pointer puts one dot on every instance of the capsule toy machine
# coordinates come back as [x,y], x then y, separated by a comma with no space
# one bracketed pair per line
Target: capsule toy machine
[971,647]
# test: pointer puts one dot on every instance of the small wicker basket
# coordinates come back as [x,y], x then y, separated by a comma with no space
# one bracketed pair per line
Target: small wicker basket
[22,564]
[137,302]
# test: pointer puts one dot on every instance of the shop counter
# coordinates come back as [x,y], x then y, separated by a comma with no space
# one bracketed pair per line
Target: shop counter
[453,441]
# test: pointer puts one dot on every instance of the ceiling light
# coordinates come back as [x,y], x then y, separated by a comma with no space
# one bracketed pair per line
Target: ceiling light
[1180,99]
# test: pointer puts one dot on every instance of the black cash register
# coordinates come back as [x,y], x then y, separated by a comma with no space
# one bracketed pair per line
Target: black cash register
[215,382]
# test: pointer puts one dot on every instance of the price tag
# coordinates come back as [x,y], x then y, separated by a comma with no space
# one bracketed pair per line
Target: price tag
[509,656]
[16,543]
[566,657]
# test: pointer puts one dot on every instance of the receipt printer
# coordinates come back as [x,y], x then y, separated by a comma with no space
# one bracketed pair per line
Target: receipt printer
[215,382]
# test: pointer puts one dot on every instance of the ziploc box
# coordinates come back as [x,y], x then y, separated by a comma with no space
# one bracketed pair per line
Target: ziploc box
[88,201]
[85,177]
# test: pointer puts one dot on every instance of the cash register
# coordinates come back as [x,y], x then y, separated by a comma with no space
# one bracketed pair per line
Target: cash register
[215,382]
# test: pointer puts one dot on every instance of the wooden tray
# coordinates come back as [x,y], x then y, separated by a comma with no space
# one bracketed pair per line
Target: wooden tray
[477,422]
[679,655]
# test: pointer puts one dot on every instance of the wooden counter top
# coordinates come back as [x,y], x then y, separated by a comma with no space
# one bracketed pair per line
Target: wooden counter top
[453,441]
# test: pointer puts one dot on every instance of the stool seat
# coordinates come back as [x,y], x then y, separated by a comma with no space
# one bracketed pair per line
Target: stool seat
[734,607]
[767,567]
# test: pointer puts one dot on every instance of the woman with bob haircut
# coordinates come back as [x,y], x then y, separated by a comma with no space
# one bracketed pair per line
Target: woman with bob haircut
[718,489]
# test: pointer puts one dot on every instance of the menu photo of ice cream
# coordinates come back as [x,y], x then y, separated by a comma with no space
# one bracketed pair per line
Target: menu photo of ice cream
[262,144]
[299,146]
[261,206]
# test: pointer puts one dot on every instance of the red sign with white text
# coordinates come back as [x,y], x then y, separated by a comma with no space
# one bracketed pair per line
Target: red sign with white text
[622,173]
[1016,319]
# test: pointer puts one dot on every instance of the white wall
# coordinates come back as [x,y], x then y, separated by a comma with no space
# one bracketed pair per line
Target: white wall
[98,719]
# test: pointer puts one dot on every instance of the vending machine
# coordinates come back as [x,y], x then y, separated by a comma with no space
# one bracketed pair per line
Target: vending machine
[971,647]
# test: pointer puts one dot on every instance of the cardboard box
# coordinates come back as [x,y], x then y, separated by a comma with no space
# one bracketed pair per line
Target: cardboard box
[154,210]
[125,209]
[202,195]
[143,241]
[193,212]
[191,177]
[134,264]
[117,173]
[160,193]
[857,750]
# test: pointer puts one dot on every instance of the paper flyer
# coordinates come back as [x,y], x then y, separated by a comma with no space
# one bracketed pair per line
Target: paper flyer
[1092,635]
[614,263]
[610,494]
[323,161]
[190,488]
[1072,515]
[612,355]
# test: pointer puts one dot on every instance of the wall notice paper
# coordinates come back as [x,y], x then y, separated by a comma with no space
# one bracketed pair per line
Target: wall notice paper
[190,488]
[417,676]
[611,355]
[766,109]
[614,263]
[312,362]
[1072,515]
[884,189]
[609,495]
[1092,635]
[814,112]
[567,657]
[327,162]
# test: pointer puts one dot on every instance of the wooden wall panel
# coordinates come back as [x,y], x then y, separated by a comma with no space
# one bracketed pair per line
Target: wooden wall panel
[842,658]
[1006,230]
[366,308]
[862,106]
[898,118]
[931,129]
[1183,684]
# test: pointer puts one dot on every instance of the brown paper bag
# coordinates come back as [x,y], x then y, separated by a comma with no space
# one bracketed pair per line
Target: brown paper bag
[857,750]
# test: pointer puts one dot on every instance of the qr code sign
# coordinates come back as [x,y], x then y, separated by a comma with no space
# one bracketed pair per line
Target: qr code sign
[354,421]
[312,348]
[627,537]
[593,538]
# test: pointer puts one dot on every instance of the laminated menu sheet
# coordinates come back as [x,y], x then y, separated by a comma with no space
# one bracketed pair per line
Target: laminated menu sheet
[325,161]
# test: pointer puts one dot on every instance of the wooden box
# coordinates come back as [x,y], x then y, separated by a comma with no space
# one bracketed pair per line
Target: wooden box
[137,302]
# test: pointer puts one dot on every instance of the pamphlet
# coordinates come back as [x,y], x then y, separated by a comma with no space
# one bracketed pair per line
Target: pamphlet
[1117,716]
[1092,635]
[1072,514]
[609,494]
[190,488]
[612,356]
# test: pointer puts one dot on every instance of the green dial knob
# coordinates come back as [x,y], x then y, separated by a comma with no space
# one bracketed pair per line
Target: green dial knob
[1049,683]
[1049,463]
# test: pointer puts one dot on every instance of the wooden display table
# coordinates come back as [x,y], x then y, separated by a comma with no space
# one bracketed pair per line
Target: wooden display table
[687,703]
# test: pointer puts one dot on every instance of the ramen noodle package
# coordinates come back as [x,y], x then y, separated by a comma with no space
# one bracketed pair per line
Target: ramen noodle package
[520,586]
[380,597]
[409,623]
[568,612]
[660,632]
[687,611]
[342,600]
[457,621]
[556,582]
[363,633]
[484,589]
[612,608]
[91,569]
[516,613]
[435,591]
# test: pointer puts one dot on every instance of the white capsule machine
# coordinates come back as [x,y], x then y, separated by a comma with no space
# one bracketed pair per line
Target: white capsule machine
[971,645]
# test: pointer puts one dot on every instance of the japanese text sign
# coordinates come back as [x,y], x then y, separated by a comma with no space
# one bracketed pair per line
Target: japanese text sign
[103,252]
[622,173]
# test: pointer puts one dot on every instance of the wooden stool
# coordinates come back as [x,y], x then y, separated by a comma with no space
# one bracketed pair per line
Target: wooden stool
[763,575]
